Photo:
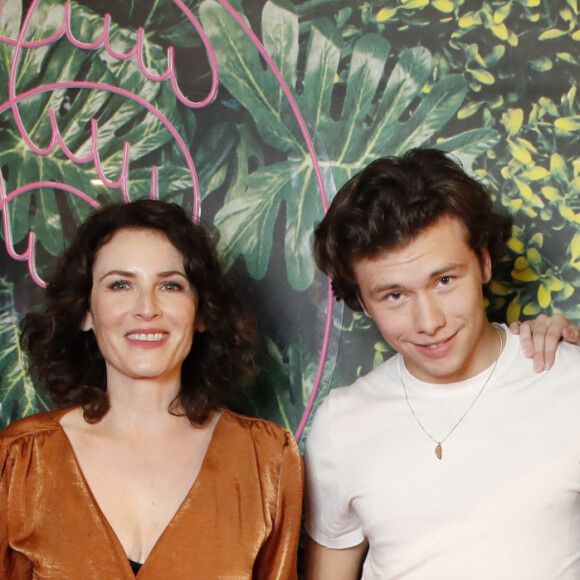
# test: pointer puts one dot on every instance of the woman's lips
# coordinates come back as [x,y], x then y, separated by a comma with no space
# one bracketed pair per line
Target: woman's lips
[147,338]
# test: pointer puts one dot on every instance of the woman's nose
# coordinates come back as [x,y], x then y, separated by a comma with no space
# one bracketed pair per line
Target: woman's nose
[147,306]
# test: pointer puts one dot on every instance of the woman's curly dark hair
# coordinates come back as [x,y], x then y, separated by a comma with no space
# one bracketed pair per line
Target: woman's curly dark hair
[393,200]
[68,359]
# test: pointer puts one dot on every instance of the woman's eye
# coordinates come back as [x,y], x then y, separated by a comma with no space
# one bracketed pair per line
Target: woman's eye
[119,285]
[172,286]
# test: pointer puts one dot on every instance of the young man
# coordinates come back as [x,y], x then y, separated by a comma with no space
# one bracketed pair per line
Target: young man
[452,460]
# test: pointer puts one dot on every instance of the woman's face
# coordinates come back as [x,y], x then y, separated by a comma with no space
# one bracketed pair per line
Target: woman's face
[143,310]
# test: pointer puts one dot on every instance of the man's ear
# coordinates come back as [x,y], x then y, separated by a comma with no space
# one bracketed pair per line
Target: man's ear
[361,302]
[486,268]
[87,322]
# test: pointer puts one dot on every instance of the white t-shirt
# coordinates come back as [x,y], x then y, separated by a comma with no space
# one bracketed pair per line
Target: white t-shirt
[502,504]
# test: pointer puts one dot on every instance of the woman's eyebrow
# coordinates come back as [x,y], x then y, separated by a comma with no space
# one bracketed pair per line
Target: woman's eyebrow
[129,274]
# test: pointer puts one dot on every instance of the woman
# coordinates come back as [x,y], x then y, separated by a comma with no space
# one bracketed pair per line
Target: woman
[142,470]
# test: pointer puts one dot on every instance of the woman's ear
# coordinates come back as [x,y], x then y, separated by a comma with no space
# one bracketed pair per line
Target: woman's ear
[198,325]
[87,322]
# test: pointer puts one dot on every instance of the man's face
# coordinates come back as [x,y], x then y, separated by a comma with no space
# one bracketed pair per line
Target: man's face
[426,298]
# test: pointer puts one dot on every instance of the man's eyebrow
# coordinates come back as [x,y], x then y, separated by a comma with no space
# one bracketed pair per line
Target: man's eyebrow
[386,287]
[446,269]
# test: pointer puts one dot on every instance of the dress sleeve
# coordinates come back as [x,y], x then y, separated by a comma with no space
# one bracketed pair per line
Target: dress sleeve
[12,564]
[5,571]
[330,519]
[277,559]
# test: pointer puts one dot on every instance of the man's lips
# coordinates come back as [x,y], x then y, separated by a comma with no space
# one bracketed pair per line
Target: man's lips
[436,348]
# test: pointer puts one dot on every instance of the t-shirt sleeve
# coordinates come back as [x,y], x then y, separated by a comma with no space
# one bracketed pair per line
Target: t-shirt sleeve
[330,518]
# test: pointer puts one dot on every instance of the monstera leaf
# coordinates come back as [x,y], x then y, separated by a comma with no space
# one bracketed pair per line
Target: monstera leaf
[291,372]
[17,393]
[371,121]
[120,118]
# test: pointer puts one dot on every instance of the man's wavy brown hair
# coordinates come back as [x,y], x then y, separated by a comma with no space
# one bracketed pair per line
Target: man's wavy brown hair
[392,201]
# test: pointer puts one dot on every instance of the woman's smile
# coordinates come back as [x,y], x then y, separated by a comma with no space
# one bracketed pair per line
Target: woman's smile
[143,309]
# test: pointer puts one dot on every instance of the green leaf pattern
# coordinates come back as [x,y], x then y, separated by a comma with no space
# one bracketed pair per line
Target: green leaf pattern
[495,84]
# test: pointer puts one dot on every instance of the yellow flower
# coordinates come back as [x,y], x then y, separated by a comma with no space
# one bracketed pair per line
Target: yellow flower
[385,14]
[470,19]
[568,124]
[512,120]
[445,6]
[514,309]
[516,245]
[499,289]
[521,263]
[500,30]
[544,296]
[527,275]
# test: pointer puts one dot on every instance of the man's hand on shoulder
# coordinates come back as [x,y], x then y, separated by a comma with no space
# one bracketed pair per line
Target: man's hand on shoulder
[540,338]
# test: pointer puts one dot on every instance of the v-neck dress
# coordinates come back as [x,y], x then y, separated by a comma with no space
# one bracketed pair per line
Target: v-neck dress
[239,520]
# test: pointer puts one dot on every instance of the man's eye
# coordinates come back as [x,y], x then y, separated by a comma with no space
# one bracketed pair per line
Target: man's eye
[394,296]
[445,280]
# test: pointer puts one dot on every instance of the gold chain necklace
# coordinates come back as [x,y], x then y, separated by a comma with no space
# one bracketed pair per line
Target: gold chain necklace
[439,446]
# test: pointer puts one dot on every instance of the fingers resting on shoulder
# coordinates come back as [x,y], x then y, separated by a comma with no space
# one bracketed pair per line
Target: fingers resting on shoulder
[540,338]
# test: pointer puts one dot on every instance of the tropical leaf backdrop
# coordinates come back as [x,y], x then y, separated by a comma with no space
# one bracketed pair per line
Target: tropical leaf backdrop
[272,106]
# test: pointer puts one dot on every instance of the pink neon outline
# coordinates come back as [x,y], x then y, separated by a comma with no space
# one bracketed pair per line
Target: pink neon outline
[56,137]
[136,51]
[323,197]
[103,40]
[169,73]
[29,253]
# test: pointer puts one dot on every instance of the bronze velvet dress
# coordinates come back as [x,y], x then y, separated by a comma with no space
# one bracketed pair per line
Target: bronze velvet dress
[240,519]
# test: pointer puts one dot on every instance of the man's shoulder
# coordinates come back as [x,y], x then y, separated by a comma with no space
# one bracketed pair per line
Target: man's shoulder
[567,358]
[373,384]
[567,354]
[517,369]
[352,402]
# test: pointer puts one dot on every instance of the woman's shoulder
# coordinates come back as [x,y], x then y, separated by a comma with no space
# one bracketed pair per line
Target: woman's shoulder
[260,431]
[251,440]
[32,425]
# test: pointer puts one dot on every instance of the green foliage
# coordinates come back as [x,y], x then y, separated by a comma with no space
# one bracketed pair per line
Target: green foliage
[493,83]
[119,120]
[537,170]
[291,373]
[515,55]
[49,212]
[370,121]
[17,392]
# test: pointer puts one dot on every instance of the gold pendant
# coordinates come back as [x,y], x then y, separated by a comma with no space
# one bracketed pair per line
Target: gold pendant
[439,451]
